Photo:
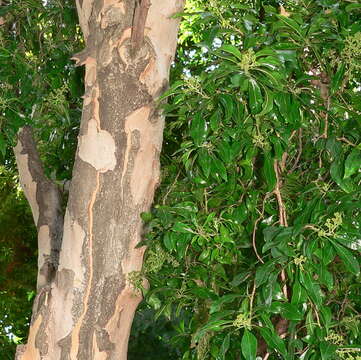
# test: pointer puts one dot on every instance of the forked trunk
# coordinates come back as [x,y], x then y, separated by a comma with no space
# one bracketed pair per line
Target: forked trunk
[85,305]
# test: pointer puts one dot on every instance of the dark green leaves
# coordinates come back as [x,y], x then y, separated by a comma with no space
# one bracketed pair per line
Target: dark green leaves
[198,129]
[257,104]
[347,257]
[224,348]
[255,97]
[273,340]
[352,163]
[249,345]
[269,172]
[327,350]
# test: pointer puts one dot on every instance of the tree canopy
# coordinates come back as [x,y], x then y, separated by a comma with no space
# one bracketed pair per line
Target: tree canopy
[254,238]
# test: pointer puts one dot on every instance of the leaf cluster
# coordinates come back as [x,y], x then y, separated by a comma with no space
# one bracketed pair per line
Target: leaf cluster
[260,199]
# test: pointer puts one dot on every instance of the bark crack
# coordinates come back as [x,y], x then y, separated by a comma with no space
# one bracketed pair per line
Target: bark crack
[76,330]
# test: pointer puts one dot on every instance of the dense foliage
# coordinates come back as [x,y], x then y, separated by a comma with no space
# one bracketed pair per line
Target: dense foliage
[256,230]
[17,263]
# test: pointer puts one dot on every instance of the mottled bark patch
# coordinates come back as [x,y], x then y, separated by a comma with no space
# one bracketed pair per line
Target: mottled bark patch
[97,148]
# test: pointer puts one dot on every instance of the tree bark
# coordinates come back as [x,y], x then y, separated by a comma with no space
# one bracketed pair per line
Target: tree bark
[85,312]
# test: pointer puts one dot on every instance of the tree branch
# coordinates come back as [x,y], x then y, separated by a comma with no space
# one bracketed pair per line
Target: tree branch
[45,202]
[138,26]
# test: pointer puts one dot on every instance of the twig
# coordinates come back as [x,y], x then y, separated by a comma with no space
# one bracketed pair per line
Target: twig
[255,229]
[277,192]
[138,25]
[252,298]
[170,187]
[299,151]
[284,279]
[346,141]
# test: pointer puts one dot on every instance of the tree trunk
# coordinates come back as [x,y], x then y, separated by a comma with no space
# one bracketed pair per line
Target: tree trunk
[85,302]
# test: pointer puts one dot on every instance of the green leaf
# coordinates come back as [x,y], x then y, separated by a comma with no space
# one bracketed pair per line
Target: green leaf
[290,23]
[146,216]
[224,347]
[232,50]
[326,277]
[205,161]
[299,296]
[273,340]
[263,273]
[154,302]
[2,145]
[352,7]
[228,104]
[347,257]
[271,62]
[249,345]
[169,241]
[5,9]
[336,172]
[352,163]
[182,228]
[198,129]
[313,289]
[350,240]
[327,350]
[255,97]
[171,90]
[215,120]
[268,103]
[216,305]
[218,168]
[216,325]
[283,102]
[269,172]
[338,78]
[202,293]
[291,312]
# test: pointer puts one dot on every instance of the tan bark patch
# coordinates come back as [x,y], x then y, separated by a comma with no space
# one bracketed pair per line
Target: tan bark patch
[161,12]
[122,48]
[44,242]
[87,101]
[26,180]
[146,169]
[31,352]
[84,8]
[71,251]
[62,317]
[112,13]
[97,148]
[135,260]
[119,325]
[90,71]
[98,355]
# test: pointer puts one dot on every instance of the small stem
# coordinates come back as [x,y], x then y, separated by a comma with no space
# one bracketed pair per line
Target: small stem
[346,141]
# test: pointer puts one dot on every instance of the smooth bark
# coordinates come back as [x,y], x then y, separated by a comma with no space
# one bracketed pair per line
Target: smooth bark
[86,310]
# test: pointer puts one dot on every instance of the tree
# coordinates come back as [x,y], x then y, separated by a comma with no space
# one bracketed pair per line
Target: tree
[86,299]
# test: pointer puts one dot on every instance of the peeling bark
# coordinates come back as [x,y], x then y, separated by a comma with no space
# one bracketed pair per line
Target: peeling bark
[45,202]
[87,311]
